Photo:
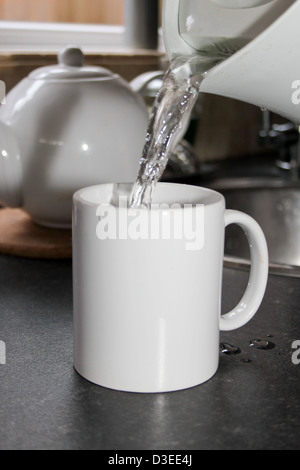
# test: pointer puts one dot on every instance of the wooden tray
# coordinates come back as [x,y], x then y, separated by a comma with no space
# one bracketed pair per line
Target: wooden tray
[20,236]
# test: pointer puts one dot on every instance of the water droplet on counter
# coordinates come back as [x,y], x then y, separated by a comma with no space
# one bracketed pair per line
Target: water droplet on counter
[261,344]
[229,349]
[246,360]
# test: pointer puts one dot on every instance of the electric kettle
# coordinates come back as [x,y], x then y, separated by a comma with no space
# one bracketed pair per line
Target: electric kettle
[65,127]
[260,38]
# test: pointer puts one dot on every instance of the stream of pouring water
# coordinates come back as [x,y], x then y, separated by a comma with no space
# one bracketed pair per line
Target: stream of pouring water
[167,125]
[169,119]
[171,112]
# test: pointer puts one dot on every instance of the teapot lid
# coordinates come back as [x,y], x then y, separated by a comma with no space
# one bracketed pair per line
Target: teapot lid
[70,66]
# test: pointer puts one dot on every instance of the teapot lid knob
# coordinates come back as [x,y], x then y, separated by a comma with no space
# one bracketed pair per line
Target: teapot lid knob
[71,56]
[71,67]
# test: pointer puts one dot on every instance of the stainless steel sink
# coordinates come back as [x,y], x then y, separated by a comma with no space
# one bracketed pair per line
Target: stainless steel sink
[271,195]
[275,205]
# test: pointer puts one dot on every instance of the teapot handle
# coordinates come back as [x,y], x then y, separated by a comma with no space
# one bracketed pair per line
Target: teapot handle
[11,175]
[139,83]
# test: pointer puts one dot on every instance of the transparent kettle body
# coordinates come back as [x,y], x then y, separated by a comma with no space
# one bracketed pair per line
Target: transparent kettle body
[204,25]
[260,46]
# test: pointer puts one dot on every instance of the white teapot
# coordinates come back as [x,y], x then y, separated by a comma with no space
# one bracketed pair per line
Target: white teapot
[65,127]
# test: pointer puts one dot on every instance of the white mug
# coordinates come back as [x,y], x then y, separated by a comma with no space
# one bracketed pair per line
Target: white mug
[147,286]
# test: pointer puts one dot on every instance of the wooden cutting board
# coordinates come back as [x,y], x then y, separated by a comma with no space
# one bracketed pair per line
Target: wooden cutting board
[20,236]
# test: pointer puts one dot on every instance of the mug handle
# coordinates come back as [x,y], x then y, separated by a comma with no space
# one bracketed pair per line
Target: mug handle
[255,290]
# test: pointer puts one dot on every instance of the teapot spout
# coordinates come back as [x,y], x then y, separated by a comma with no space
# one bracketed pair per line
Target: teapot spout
[10,169]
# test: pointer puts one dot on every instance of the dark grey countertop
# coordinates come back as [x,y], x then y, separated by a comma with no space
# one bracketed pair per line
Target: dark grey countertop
[251,403]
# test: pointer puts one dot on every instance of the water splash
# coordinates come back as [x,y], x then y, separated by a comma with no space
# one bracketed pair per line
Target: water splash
[246,360]
[261,344]
[229,349]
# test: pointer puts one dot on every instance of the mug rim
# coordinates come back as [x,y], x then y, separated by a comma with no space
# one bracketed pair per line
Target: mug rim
[90,196]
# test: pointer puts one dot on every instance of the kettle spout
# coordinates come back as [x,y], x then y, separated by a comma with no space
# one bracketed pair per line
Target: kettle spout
[10,168]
